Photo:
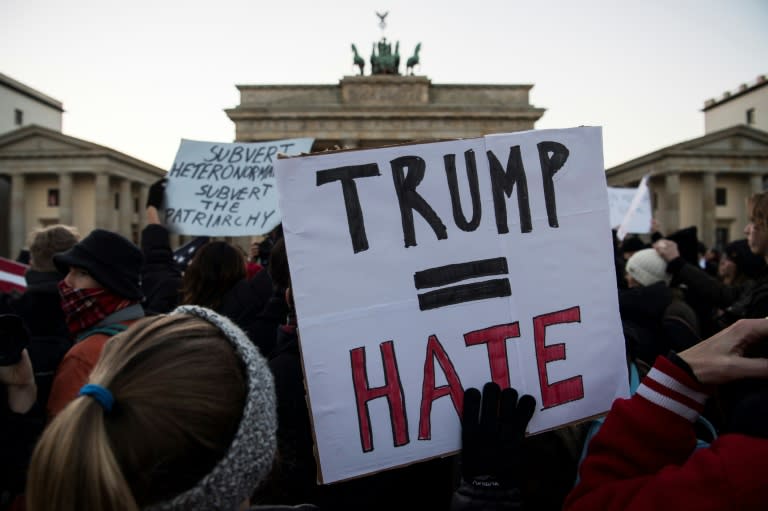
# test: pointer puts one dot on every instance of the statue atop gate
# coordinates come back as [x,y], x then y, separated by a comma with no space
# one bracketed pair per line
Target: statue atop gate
[384,61]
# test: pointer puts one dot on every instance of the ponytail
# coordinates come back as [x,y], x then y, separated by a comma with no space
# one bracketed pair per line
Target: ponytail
[84,476]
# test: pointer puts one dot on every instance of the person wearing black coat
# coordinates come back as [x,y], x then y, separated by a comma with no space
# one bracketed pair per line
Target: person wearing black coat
[39,309]
[160,276]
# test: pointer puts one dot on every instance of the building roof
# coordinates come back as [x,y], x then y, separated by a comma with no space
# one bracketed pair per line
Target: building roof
[728,95]
[10,83]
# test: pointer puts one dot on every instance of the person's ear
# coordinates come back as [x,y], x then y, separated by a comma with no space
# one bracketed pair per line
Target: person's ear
[288,296]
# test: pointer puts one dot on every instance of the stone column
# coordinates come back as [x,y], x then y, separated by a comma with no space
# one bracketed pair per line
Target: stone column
[126,209]
[708,205]
[17,221]
[103,201]
[671,203]
[143,195]
[66,214]
[755,183]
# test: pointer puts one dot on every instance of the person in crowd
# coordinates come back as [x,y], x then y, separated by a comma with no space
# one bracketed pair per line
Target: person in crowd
[21,418]
[160,275]
[738,301]
[711,260]
[630,245]
[644,455]
[46,340]
[657,313]
[100,296]
[160,436]
[738,265]
[217,278]
[619,262]
[39,306]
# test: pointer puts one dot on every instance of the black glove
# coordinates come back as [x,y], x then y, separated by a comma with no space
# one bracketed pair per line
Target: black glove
[14,337]
[157,193]
[492,435]
[491,451]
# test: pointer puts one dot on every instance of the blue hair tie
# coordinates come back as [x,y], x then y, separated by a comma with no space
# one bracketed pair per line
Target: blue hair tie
[102,395]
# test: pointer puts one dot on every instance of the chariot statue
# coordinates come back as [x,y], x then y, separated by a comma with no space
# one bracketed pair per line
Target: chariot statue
[383,60]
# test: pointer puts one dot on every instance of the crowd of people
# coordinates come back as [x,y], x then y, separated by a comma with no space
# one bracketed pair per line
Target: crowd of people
[130,383]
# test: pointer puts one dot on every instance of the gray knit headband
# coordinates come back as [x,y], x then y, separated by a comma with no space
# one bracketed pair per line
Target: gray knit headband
[249,458]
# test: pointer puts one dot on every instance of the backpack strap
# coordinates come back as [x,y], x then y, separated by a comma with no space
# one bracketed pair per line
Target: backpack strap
[108,330]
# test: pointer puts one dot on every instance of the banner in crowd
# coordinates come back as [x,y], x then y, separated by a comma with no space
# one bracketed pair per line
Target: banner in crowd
[226,189]
[12,276]
[421,270]
[630,209]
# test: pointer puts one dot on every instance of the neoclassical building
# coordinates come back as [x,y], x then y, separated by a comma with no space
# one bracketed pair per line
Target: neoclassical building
[703,182]
[56,178]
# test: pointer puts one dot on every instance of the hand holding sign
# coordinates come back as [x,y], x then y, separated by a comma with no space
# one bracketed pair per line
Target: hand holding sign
[492,434]
[156,194]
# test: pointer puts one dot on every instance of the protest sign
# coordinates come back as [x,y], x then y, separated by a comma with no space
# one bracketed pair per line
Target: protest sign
[225,189]
[630,209]
[421,270]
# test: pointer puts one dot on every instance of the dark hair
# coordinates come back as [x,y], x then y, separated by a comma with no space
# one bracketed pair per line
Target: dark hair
[215,268]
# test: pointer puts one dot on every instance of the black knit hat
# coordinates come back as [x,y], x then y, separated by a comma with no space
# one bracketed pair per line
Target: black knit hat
[113,261]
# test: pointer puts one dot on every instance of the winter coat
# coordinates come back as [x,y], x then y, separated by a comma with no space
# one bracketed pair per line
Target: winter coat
[160,275]
[643,456]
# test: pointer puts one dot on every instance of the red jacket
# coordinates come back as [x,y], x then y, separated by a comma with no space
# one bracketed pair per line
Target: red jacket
[74,370]
[642,458]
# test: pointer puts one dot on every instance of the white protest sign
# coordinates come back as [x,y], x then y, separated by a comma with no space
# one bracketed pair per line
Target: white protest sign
[630,209]
[225,189]
[421,270]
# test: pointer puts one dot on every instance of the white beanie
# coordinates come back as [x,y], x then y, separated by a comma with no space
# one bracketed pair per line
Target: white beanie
[647,267]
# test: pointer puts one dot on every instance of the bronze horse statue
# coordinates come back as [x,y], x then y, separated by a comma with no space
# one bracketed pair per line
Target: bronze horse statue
[358,60]
[413,59]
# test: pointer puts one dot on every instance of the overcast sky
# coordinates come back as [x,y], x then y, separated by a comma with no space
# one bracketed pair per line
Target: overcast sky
[139,76]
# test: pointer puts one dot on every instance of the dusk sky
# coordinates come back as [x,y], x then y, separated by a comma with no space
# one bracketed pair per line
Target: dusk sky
[139,76]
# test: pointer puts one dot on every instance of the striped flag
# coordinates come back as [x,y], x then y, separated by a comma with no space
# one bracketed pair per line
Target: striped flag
[12,276]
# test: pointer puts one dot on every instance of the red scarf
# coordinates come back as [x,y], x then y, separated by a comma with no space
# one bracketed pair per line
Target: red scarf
[84,308]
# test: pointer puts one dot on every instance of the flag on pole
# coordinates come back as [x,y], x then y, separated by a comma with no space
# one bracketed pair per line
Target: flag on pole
[12,276]
[184,254]
[633,212]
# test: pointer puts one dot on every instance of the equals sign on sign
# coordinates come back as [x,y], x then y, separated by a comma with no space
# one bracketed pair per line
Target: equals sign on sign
[442,276]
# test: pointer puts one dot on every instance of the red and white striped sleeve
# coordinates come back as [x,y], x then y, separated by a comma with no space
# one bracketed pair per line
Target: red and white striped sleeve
[672,388]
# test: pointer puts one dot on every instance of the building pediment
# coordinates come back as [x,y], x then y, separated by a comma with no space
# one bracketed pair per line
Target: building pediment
[39,140]
[737,142]
[735,139]
[36,143]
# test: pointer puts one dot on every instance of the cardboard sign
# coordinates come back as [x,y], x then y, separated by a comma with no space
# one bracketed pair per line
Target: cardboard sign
[421,270]
[630,209]
[222,189]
